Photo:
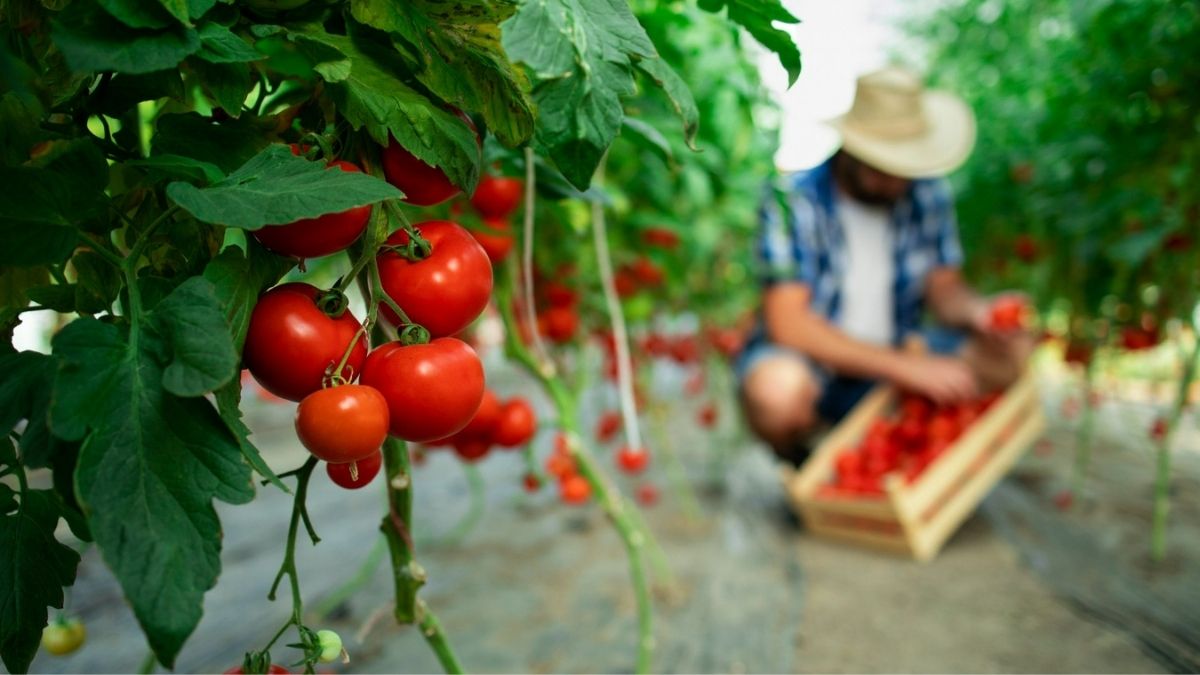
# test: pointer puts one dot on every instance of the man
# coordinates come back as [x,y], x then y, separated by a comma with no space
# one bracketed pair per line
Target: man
[853,251]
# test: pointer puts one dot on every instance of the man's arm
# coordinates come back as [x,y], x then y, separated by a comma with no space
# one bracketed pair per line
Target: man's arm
[953,302]
[791,322]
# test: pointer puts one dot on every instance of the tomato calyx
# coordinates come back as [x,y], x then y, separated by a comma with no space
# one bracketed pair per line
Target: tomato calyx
[414,334]
[416,249]
[333,303]
[256,662]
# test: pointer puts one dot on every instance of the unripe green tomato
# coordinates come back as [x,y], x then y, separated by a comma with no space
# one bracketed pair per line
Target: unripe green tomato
[639,308]
[331,646]
[63,636]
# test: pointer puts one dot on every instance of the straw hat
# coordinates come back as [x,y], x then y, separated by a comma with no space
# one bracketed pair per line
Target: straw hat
[898,126]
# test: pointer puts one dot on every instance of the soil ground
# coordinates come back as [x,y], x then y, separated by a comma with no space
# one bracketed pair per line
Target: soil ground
[534,586]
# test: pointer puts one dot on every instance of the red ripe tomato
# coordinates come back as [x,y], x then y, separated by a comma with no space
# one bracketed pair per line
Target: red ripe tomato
[1158,430]
[444,292]
[1026,248]
[275,669]
[695,384]
[943,428]
[632,460]
[291,342]
[433,390]
[574,490]
[560,465]
[607,426]
[517,424]
[707,417]
[915,407]
[315,237]
[1007,314]
[646,272]
[559,295]
[497,240]
[1134,338]
[342,424]
[661,237]
[422,184]
[532,482]
[472,449]
[353,475]
[647,494]
[559,323]
[497,196]
[1079,352]
[1064,499]
[727,341]
[685,349]
[849,463]
[483,424]
[624,283]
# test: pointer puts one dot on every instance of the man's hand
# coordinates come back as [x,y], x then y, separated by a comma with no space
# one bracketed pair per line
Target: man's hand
[1000,317]
[943,379]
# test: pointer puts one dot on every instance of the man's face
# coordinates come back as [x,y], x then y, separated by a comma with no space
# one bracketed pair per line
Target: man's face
[870,185]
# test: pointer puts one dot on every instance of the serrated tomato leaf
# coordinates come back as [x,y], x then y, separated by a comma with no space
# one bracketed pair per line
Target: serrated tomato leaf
[678,93]
[238,278]
[373,97]
[150,466]
[94,41]
[192,322]
[276,187]
[218,44]
[458,56]
[229,400]
[581,56]
[34,568]
[25,395]
[758,17]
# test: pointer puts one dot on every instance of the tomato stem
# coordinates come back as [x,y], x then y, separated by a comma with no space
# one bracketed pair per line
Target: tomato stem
[539,347]
[1162,483]
[432,631]
[288,567]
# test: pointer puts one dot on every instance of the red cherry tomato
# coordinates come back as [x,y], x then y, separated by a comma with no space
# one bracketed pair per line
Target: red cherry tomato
[532,482]
[559,323]
[574,490]
[849,463]
[707,417]
[291,342]
[661,237]
[1158,430]
[432,390]
[646,272]
[353,475]
[1007,314]
[559,295]
[422,184]
[685,349]
[607,426]
[275,669]
[517,424]
[561,466]
[483,424]
[647,494]
[315,237]
[496,240]
[497,196]
[444,292]
[472,449]
[624,283]
[632,460]
[1026,248]
[342,424]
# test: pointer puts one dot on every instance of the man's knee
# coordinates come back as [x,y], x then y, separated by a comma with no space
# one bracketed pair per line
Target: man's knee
[780,395]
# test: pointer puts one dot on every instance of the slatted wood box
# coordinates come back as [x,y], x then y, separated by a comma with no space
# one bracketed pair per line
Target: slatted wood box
[917,518]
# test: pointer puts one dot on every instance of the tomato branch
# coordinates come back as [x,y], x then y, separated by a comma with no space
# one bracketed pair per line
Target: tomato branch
[546,363]
[431,629]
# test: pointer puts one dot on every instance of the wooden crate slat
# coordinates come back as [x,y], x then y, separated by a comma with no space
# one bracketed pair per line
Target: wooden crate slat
[930,536]
[896,544]
[820,465]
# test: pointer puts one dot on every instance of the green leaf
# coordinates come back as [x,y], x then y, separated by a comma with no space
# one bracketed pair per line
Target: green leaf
[759,17]
[226,83]
[123,92]
[34,568]
[138,13]
[19,130]
[676,90]
[580,52]
[459,57]
[238,279]
[17,282]
[649,137]
[277,187]
[25,395]
[59,297]
[192,323]
[180,167]
[218,44]
[93,41]
[229,398]
[98,285]
[228,144]
[150,466]
[374,98]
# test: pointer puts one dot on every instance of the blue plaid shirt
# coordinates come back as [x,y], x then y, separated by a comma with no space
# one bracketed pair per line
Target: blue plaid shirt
[805,242]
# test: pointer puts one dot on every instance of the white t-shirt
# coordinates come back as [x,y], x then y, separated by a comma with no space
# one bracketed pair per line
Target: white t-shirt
[870,271]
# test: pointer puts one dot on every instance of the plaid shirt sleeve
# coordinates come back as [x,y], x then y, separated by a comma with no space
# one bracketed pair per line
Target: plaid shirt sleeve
[786,232]
[944,224]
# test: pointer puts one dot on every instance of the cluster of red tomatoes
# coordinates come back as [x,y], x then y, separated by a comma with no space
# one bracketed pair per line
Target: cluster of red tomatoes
[507,424]
[304,345]
[907,442]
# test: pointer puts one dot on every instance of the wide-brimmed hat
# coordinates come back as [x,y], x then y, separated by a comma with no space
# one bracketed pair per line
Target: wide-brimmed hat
[898,126]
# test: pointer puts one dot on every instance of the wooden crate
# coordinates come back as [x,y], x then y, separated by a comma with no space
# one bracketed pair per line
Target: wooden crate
[916,519]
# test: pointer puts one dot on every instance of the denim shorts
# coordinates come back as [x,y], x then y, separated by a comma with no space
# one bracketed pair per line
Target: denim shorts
[839,393]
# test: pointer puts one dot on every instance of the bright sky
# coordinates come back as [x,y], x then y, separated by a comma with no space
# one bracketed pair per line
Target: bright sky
[838,41]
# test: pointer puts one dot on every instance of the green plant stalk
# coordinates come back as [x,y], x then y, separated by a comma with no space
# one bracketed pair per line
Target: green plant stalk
[288,567]
[623,517]
[354,584]
[1162,483]
[431,628]
[1084,432]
